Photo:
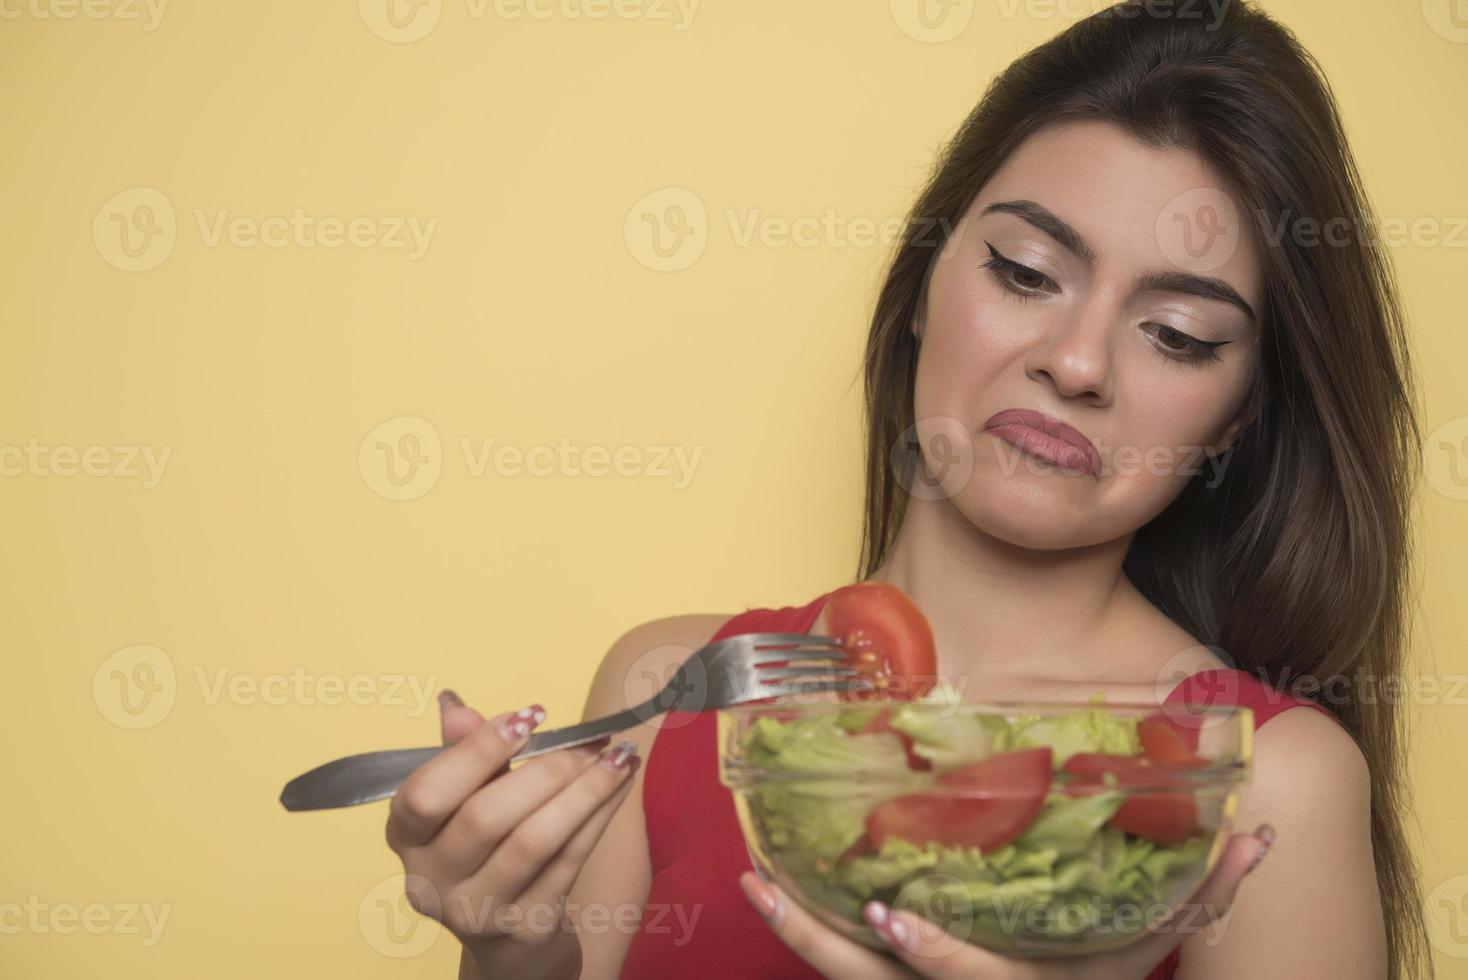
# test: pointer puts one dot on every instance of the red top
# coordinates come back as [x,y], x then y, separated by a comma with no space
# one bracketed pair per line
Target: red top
[698,850]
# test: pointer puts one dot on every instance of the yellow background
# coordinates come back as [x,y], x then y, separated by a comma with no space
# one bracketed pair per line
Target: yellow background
[266,555]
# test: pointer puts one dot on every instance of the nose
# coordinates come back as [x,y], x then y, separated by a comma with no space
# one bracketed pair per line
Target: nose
[1074,354]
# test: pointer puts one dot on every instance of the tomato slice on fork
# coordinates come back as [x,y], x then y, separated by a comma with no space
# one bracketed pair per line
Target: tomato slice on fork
[886,638]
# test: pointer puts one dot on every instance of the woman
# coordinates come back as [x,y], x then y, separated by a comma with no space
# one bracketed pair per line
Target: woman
[1116,238]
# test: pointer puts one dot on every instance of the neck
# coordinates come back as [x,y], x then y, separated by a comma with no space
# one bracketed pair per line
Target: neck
[1001,610]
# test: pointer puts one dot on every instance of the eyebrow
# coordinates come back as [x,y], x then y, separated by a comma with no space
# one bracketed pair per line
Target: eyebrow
[1205,287]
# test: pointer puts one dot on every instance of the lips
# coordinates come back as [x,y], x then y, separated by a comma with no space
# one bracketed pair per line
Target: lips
[1048,438]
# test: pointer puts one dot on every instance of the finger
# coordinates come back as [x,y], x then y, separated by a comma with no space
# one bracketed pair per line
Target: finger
[560,875]
[1211,903]
[932,951]
[455,719]
[437,788]
[819,945]
[483,820]
[536,840]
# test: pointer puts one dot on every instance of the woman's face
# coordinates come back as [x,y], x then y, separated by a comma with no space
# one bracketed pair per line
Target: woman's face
[1041,300]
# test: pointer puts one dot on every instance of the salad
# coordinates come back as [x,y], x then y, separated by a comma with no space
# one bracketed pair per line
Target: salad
[1049,826]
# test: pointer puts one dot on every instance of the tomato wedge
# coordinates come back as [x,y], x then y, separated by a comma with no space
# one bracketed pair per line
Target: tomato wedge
[883,723]
[1016,781]
[1160,817]
[885,637]
[1169,742]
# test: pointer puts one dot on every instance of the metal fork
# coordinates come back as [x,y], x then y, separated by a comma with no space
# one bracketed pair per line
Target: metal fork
[736,670]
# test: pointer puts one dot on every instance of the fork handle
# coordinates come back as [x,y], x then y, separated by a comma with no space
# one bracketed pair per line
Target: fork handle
[377,775]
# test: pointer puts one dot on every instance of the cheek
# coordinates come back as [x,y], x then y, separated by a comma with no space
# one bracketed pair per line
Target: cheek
[1160,439]
[968,339]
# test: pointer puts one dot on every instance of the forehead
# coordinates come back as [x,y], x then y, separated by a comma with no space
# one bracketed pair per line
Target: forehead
[1140,208]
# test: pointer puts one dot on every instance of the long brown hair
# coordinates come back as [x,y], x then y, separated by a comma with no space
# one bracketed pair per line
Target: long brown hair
[1306,538]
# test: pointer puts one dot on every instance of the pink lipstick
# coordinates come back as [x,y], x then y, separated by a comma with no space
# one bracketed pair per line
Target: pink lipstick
[1046,438]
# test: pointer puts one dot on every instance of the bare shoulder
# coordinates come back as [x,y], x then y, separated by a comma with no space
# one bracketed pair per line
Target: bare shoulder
[1312,907]
[618,873]
[1304,761]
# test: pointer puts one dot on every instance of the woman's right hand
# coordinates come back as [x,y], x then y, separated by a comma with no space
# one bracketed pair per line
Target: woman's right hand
[492,852]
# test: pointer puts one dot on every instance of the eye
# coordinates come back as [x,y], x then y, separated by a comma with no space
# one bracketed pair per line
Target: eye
[1018,279]
[1175,345]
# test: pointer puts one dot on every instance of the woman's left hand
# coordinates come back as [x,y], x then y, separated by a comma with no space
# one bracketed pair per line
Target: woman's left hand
[924,950]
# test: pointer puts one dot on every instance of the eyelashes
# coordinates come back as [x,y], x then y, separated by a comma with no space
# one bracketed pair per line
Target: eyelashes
[1024,284]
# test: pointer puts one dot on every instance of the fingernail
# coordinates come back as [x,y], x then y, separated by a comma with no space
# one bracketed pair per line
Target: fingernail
[518,725]
[887,925]
[766,901]
[448,699]
[1265,833]
[619,756]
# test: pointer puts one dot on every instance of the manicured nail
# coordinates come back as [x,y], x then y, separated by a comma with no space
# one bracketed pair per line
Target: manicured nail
[518,725]
[1265,833]
[887,925]
[619,756]
[448,699]
[766,901]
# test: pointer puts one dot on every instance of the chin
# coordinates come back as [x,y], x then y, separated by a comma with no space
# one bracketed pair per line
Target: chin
[1029,511]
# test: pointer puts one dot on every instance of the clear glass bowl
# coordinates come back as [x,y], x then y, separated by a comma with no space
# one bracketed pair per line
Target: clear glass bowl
[1083,877]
